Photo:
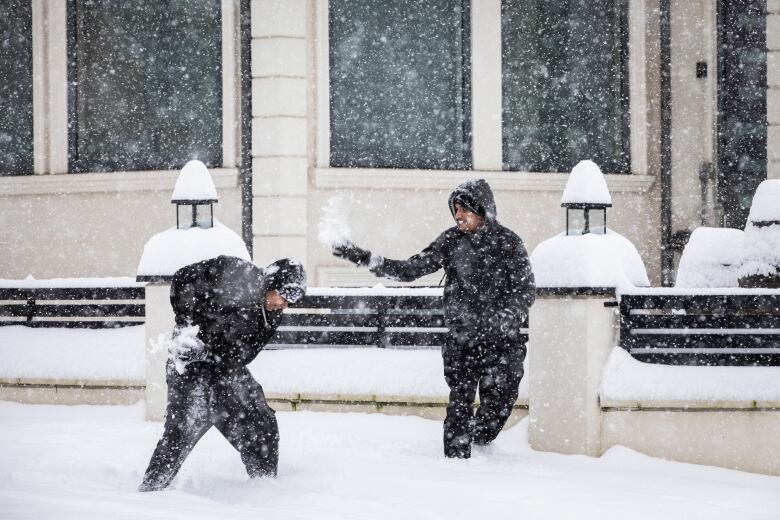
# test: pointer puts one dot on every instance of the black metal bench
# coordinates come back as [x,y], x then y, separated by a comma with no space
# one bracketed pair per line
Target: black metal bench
[73,307]
[413,319]
[406,319]
[740,327]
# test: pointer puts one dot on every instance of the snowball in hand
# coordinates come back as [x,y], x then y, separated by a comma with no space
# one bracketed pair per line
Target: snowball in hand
[333,228]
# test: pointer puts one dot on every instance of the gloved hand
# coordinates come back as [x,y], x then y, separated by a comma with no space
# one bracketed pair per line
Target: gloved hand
[186,347]
[505,322]
[351,252]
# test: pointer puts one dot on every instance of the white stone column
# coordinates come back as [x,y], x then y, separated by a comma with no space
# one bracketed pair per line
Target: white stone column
[159,323]
[570,338]
[280,128]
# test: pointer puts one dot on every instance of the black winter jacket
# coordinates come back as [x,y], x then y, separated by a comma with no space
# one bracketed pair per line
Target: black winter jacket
[486,272]
[225,297]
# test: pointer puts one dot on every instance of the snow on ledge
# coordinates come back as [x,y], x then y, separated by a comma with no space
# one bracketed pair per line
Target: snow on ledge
[57,283]
[626,379]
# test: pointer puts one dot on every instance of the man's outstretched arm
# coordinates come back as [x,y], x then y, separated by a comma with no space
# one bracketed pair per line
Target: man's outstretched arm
[428,261]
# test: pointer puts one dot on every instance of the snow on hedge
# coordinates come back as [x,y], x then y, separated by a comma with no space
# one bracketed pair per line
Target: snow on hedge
[589,260]
[711,258]
[626,379]
[761,254]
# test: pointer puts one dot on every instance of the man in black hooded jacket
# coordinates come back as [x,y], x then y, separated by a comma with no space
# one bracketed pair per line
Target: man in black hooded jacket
[488,290]
[226,311]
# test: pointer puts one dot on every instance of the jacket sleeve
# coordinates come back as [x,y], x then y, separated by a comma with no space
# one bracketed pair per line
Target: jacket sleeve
[427,261]
[187,291]
[521,286]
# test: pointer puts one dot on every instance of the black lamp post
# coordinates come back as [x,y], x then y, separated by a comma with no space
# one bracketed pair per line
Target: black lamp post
[586,217]
[194,213]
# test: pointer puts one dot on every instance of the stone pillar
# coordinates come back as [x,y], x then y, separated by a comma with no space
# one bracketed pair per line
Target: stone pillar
[159,323]
[571,334]
[280,128]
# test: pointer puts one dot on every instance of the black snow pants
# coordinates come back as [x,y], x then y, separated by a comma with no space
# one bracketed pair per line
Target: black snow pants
[206,395]
[493,369]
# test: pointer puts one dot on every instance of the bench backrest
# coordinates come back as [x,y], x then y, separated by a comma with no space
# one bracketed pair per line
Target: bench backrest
[400,320]
[72,307]
[730,328]
[394,321]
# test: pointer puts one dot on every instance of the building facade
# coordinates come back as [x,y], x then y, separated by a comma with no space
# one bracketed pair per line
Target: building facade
[386,106]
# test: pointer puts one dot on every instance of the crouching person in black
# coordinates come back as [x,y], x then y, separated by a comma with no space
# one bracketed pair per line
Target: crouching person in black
[226,311]
[488,290]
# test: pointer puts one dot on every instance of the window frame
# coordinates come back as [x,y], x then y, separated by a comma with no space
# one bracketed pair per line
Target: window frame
[53,106]
[486,98]
[625,91]
[28,155]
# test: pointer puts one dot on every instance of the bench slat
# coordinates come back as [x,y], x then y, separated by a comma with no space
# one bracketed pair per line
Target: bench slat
[706,359]
[702,321]
[74,293]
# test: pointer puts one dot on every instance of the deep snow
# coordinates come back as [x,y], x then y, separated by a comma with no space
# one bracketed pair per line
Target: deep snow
[85,462]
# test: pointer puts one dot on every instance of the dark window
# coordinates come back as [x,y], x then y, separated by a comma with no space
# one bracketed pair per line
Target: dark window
[399,84]
[742,121]
[565,84]
[145,84]
[16,90]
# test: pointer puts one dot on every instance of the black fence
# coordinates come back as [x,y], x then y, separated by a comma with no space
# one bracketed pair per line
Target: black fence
[73,307]
[734,328]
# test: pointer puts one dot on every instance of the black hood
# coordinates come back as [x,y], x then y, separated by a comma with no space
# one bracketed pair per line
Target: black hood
[478,191]
[288,278]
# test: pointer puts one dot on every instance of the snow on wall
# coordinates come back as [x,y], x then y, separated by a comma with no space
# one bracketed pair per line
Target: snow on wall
[170,250]
[586,184]
[711,258]
[85,354]
[194,183]
[626,379]
[588,260]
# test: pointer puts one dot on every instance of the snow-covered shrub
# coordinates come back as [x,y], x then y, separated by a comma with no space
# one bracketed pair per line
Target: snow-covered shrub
[761,259]
[711,258]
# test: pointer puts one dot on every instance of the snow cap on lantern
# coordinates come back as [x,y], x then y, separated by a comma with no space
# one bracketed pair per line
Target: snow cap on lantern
[586,199]
[194,196]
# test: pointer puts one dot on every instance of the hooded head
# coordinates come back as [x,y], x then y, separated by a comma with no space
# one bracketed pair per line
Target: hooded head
[288,278]
[476,196]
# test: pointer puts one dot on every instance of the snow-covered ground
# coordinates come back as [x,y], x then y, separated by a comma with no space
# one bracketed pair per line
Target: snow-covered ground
[85,463]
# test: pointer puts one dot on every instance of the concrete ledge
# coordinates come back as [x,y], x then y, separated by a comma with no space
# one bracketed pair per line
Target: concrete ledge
[690,406]
[378,178]
[75,383]
[163,180]
[71,395]
[735,439]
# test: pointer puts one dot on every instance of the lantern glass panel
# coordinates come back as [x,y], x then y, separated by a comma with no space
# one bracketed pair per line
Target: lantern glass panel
[597,221]
[183,216]
[203,217]
[575,221]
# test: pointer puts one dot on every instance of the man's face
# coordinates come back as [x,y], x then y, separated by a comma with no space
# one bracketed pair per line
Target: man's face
[274,301]
[467,221]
